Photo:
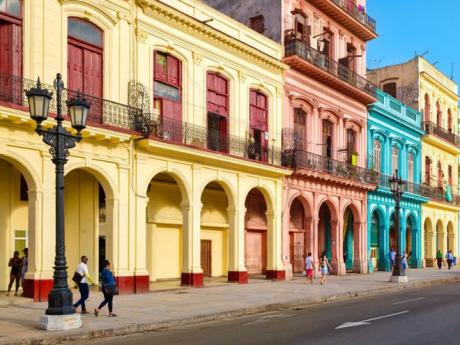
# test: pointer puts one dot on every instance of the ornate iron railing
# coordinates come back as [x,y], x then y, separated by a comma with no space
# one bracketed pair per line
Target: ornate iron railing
[305,51]
[102,112]
[433,128]
[356,12]
[184,133]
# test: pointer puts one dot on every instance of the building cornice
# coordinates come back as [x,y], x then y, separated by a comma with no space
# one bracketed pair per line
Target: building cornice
[177,19]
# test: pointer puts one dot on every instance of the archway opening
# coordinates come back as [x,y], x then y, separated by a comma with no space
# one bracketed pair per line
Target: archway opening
[392,234]
[297,236]
[450,238]
[214,231]
[256,233]
[378,250]
[14,216]
[409,237]
[348,241]
[428,243]
[324,231]
[440,238]
[164,229]
[88,226]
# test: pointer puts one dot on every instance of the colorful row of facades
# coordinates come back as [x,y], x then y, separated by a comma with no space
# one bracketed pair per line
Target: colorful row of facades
[225,139]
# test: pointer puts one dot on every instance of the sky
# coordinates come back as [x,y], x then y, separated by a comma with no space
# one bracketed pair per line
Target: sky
[408,26]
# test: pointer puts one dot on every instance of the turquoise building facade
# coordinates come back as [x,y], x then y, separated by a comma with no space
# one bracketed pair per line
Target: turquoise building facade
[394,143]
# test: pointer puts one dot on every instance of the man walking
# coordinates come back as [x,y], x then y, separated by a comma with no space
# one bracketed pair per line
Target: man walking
[392,258]
[449,258]
[82,270]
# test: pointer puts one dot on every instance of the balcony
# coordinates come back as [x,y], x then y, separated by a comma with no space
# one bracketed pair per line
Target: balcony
[103,113]
[433,128]
[350,16]
[300,56]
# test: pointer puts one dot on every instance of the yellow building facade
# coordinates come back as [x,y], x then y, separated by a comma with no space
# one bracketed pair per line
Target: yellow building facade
[178,175]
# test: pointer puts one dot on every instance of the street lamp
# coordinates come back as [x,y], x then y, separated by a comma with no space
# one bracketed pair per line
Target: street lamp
[397,188]
[60,314]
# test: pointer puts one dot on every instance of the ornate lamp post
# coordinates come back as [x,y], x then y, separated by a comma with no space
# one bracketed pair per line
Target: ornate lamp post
[60,314]
[397,188]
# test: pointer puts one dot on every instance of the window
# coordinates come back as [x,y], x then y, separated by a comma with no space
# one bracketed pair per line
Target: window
[440,175]
[258,113]
[300,119]
[327,138]
[390,88]
[20,240]
[427,108]
[167,94]
[410,168]
[217,107]
[23,194]
[449,121]
[351,144]
[325,42]
[257,23]
[377,166]
[394,159]
[11,7]
[438,114]
[449,174]
[427,170]
[85,32]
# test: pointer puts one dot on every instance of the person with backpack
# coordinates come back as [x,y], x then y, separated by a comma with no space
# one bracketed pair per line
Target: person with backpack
[15,274]
[309,268]
[439,259]
[109,289]
[450,259]
[81,278]
[324,267]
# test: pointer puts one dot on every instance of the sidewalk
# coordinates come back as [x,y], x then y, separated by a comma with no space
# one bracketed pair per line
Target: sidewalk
[137,313]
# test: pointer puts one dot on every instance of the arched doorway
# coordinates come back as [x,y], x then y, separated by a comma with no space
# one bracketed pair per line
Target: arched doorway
[324,231]
[428,243]
[392,233]
[450,237]
[409,230]
[14,216]
[348,241]
[440,237]
[297,236]
[164,228]
[88,229]
[256,233]
[214,231]
[378,249]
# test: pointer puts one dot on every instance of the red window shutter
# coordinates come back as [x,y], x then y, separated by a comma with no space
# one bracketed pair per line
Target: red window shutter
[173,67]
[217,97]
[258,111]
[16,33]
[160,67]
[74,67]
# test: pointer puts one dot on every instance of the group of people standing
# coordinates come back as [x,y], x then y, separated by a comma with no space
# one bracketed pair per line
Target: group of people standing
[324,267]
[109,287]
[19,267]
[450,259]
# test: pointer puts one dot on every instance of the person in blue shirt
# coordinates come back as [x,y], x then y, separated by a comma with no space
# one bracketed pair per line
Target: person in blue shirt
[109,289]
[392,256]
[449,258]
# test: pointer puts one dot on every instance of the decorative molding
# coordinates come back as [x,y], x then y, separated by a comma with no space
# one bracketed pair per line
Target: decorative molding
[242,76]
[141,35]
[197,58]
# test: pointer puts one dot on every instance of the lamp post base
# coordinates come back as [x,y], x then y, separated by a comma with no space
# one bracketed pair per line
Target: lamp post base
[398,279]
[59,322]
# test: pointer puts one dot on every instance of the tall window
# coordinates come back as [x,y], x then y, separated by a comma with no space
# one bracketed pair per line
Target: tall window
[377,156]
[351,144]
[390,88]
[300,119]
[449,121]
[449,174]
[394,159]
[301,28]
[167,93]
[84,62]
[427,170]
[325,42]
[410,167]
[257,23]
[11,51]
[258,112]
[438,114]
[427,109]
[327,138]
[217,107]
[440,175]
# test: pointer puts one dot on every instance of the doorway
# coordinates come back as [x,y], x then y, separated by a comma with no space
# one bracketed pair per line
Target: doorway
[206,263]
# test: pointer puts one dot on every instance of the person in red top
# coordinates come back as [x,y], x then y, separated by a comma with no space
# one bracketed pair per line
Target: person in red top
[16,264]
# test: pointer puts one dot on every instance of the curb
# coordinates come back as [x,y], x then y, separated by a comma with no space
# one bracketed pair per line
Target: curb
[298,304]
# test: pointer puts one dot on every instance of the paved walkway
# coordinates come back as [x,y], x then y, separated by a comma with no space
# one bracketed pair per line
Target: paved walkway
[136,313]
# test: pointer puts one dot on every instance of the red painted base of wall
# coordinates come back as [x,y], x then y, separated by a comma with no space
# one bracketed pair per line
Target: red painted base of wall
[238,277]
[192,279]
[125,285]
[142,284]
[38,289]
[276,275]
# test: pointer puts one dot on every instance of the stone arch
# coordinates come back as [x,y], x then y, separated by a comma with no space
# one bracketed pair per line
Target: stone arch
[351,235]
[440,236]
[377,238]
[451,239]
[332,206]
[110,186]
[227,187]
[327,235]
[266,192]
[178,176]
[428,241]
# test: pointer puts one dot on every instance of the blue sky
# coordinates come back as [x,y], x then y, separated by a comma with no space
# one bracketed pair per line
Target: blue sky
[407,26]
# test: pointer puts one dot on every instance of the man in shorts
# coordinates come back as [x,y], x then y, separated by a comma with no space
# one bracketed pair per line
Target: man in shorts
[309,268]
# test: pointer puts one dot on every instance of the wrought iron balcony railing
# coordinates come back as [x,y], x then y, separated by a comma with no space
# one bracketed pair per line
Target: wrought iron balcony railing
[433,128]
[302,49]
[356,12]
[179,132]
[102,112]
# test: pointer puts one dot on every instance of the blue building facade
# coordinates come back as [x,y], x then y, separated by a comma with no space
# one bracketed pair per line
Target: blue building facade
[394,143]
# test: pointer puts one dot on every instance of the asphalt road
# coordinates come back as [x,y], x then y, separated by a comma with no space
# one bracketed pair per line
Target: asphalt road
[417,316]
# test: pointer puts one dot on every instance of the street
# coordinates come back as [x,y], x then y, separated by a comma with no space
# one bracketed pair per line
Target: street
[416,316]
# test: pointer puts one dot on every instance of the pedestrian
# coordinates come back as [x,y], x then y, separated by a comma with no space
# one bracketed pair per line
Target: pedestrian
[15,273]
[24,267]
[392,257]
[309,268]
[404,263]
[324,267]
[449,258]
[439,259]
[109,289]
[82,277]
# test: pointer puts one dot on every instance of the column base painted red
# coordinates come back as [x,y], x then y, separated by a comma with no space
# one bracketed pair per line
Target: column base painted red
[125,285]
[276,275]
[192,279]
[38,289]
[240,277]
[142,284]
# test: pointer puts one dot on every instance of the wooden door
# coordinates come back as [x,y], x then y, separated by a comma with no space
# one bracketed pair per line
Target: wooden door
[206,261]
[297,251]
[255,253]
